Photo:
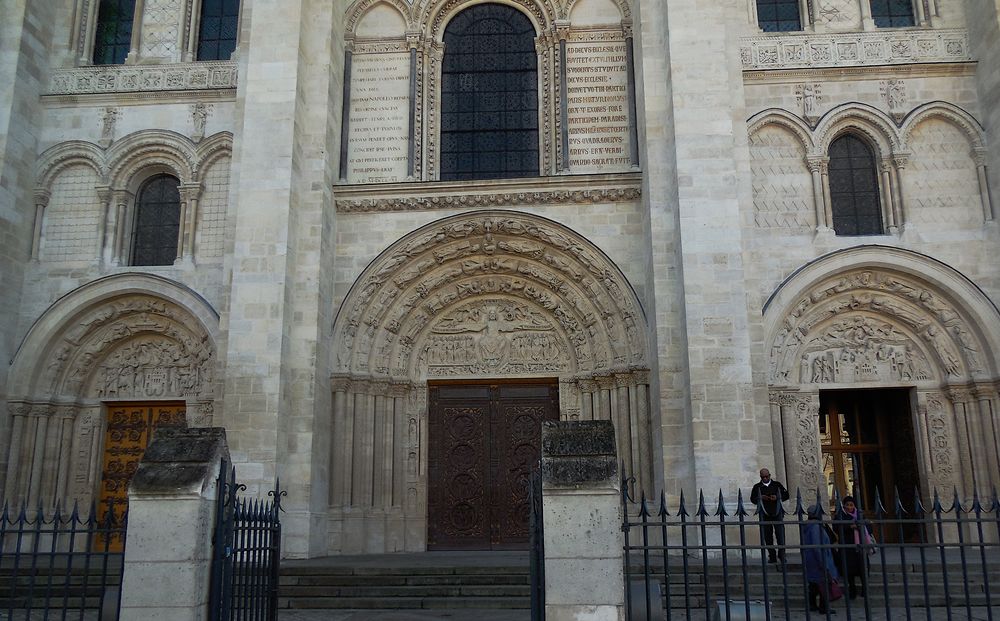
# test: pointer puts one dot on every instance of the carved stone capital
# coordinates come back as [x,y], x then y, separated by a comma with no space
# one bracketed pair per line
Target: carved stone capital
[18,408]
[190,191]
[42,197]
[122,197]
[980,155]
[901,159]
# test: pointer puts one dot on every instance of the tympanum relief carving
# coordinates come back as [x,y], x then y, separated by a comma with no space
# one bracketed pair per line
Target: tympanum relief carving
[135,347]
[874,326]
[494,336]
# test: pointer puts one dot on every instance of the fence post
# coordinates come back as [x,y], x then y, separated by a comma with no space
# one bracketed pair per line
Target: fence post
[168,550]
[581,508]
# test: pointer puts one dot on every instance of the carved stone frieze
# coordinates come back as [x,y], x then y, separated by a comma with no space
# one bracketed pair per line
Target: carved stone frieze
[498,199]
[940,436]
[137,78]
[808,50]
[860,349]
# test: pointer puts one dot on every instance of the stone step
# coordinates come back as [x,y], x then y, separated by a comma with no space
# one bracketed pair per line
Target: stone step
[404,603]
[407,591]
[400,580]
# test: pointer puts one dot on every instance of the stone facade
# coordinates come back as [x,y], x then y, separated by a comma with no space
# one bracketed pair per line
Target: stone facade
[673,264]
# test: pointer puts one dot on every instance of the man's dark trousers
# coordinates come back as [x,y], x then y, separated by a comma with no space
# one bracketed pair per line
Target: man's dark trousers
[773,527]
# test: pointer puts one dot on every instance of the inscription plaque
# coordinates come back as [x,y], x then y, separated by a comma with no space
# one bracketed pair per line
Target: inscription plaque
[597,105]
[379,116]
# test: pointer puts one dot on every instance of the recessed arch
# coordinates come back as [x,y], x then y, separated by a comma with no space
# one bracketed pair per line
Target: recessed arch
[434,18]
[604,12]
[949,113]
[57,158]
[786,120]
[860,119]
[165,149]
[360,8]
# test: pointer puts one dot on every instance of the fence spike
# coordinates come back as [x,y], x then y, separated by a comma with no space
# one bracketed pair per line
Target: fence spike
[6,512]
[721,510]
[918,502]
[956,504]
[977,506]
[643,507]
[937,502]
[897,503]
[682,510]
[741,511]
[879,507]
[838,503]
[702,511]
[663,506]
[799,509]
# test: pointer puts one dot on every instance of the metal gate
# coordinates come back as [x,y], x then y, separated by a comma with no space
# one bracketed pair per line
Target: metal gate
[246,553]
[537,546]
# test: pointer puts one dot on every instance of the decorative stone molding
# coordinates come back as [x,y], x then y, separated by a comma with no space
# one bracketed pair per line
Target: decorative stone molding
[152,78]
[512,193]
[809,50]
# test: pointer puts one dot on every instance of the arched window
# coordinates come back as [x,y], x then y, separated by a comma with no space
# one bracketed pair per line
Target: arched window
[489,95]
[114,31]
[854,188]
[157,222]
[217,29]
[893,13]
[778,15]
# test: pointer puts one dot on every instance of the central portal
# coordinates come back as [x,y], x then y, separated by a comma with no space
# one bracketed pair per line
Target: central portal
[485,440]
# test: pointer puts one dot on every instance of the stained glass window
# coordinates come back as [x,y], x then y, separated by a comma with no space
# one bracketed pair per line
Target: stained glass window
[217,29]
[157,222]
[854,188]
[114,31]
[778,15]
[893,13]
[489,95]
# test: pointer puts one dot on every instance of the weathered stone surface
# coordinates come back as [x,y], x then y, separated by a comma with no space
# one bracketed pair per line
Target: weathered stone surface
[180,459]
[578,453]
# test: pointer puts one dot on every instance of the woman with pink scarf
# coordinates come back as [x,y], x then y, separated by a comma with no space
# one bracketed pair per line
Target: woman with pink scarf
[854,535]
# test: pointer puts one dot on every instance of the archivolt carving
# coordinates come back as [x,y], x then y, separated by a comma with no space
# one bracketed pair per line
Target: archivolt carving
[947,112]
[861,119]
[106,341]
[433,16]
[358,9]
[516,288]
[71,153]
[783,118]
[875,324]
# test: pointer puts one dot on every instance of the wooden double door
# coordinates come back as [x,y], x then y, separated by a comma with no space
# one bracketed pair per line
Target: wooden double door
[485,441]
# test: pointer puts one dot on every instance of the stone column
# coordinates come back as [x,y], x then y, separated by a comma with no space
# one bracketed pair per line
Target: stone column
[581,507]
[133,51]
[816,169]
[15,464]
[899,162]
[867,23]
[190,192]
[172,504]
[824,168]
[980,156]
[42,197]
[118,252]
[890,200]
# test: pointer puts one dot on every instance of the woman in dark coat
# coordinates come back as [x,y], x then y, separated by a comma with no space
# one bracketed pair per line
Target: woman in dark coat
[854,535]
[817,560]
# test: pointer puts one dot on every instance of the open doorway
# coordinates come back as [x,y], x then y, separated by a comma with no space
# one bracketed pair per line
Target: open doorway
[868,445]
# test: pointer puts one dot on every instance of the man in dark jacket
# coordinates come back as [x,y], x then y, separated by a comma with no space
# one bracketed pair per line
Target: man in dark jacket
[767,495]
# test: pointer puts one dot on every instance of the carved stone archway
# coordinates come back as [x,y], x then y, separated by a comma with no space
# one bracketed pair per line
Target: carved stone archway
[481,295]
[873,317]
[125,338]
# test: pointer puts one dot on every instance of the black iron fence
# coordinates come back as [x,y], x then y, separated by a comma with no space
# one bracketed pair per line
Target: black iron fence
[536,544]
[61,564]
[912,560]
[246,553]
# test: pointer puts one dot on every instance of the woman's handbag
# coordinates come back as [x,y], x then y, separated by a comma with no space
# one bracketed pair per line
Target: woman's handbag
[834,589]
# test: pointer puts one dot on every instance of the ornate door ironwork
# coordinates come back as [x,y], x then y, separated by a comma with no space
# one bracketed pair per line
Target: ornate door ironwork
[130,428]
[485,440]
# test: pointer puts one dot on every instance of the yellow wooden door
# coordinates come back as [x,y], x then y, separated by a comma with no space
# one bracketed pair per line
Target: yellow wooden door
[130,428]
